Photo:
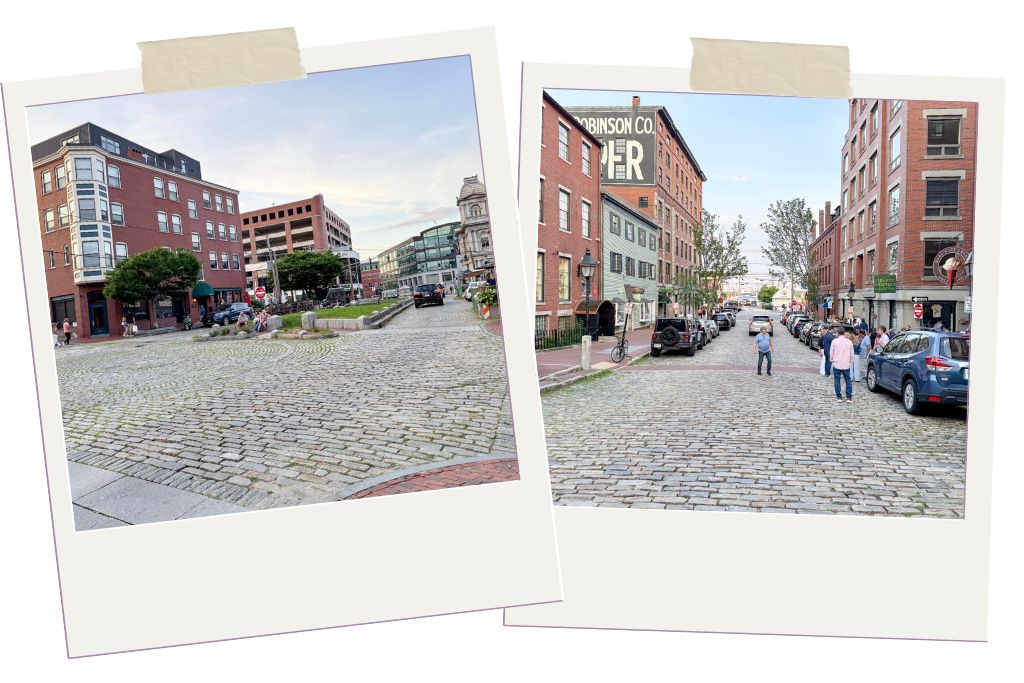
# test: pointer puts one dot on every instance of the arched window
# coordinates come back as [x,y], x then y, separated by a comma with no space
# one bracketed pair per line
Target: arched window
[474,210]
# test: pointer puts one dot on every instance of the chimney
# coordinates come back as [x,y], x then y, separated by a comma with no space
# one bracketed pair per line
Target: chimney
[636,100]
[821,222]
[828,212]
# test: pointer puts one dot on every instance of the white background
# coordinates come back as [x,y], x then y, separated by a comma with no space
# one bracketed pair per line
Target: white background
[939,38]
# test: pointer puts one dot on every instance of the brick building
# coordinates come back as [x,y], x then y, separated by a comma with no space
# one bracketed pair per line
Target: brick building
[103,198]
[824,262]
[304,224]
[570,221]
[647,163]
[369,276]
[908,169]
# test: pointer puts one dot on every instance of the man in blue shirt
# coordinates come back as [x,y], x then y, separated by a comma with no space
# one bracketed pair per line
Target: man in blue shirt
[764,347]
[826,346]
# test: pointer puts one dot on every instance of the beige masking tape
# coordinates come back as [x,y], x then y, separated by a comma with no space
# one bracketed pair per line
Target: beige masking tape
[215,61]
[742,66]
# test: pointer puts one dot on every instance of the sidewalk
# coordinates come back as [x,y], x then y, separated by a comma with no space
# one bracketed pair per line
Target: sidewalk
[556,367]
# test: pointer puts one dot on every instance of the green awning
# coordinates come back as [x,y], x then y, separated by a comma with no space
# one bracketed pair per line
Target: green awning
[202,289]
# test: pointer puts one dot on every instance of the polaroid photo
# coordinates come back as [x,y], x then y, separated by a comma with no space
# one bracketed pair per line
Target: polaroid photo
[758,320]
[277,384]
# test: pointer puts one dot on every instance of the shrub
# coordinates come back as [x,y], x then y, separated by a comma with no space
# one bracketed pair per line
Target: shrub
[487,296]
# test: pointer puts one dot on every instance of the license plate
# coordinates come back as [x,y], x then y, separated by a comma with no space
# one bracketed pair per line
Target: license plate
[655,346]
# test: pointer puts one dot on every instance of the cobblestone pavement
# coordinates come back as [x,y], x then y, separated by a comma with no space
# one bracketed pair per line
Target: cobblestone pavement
[707,433]
[267,423]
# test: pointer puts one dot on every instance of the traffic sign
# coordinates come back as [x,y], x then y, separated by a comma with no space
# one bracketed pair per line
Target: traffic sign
[918,311]
[629,307]
[260,292]
[916,299]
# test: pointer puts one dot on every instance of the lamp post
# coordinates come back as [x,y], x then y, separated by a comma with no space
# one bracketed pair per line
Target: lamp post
[849,294]
[586,270]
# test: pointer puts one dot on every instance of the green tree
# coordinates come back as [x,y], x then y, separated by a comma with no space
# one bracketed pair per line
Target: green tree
[765,294]
[719,252]
[790,231]
[151,275]
[813,290]
[311,271]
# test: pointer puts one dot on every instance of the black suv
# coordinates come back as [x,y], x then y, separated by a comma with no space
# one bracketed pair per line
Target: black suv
[227,314]
[428,294]
[723,320]
[676,334]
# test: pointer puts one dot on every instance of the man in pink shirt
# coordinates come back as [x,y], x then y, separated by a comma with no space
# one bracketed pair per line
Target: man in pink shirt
[841,355]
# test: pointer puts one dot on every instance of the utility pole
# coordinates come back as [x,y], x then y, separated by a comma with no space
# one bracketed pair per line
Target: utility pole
[272,260]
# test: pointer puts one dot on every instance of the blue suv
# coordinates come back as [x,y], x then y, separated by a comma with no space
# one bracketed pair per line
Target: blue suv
[923,367]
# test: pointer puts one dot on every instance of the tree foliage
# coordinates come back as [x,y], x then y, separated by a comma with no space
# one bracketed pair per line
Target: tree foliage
[719,252]
[311,271]
[151,275]
[790,231]
[765,294]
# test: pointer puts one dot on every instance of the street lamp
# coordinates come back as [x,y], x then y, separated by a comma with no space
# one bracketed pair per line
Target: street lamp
[586,269]
[850,293]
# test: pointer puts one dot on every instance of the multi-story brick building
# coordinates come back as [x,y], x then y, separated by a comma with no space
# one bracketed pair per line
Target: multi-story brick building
[629,262]
[473,237]
[824,261]
[908,169]
[304,224]
[648,164]
[369,276]
[103,198]
[569,222]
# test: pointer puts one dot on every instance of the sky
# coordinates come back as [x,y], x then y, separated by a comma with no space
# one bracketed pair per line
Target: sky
[754,150]
[387,146]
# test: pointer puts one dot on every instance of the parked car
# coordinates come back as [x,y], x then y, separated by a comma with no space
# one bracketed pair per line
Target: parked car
[732,316]
[428,294]
[723,320]
[758,321]
[793,320]
[711,326]
[815,342]
[924,368]
[808,332]
[472,288]
[227,314]
[675,334]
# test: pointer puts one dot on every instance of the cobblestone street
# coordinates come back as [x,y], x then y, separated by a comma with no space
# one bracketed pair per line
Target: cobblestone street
[261,423]
[708,433]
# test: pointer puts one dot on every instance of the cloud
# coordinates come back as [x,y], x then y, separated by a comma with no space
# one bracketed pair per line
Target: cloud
[740,178]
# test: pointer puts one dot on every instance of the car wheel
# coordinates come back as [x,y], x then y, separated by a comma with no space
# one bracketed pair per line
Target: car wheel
[872,379]
[910,402]
[416,305]
[655,353]
[691,351]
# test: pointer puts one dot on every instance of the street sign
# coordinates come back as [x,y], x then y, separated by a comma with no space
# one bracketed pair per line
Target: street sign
[629,308]
[967,305]
[918,311]
[885,283]
[261,293]
[916,299]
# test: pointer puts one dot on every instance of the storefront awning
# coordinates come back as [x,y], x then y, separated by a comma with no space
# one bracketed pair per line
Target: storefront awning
[595,305]
[202,289]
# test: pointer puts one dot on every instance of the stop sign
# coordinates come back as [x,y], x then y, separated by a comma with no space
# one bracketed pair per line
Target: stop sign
[261,292]
[918,311]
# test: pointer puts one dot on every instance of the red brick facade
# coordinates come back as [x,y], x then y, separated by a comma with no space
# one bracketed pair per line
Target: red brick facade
[824,265]
[561,247]
[139,221]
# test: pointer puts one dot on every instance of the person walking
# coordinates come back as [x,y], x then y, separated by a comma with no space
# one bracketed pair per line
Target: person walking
[56,337]
[67,332]
[826,346]
[764,347]
[863,349]
[881,340]
[841,356]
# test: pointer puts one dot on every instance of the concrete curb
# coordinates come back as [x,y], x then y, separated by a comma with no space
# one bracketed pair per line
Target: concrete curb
[382,318]
[419,469]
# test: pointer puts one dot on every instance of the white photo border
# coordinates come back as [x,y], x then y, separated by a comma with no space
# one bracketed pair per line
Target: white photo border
[787,574]
[312,566]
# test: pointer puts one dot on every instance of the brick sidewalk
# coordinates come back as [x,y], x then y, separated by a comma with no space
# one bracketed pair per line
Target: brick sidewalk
[560,360]
[465,474]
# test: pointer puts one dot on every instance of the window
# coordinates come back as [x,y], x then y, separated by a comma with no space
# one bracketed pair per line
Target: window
[206,200]
[614,224]
[63,216]
[540,215]
[52,260]
[540,276]
[874,168]
[620,151]
[616,262]
[224,260]
[874,119]
[563,210]
[113,176]
[943,137]
[842,272]
[873,213]
[62,178]
[176,223]
[894,254]
[863,135]
[643,202]
[860,225]
[630,230]
[653,244]
[158,187]
[87,209]
[894,151]
[643,269]
[104,215]
[585,158]
[861,186]
[844,236]
[67,255]
[219,202]
[846,200]
[641,237]
[91,254]
[563,141]
[585,218]
[231,205]
[221,232]
[234,262]
[83,169]
[120,251]
[161,220]
[846,163]
[931,250]
[233,233]
[172,190]
[192,211]
[112,146]
[896,105]
[209,229]
[564,279]
[213,260]
[630,266]
[48,220]
[871,262]
[195,241]
[46,179]
[942,197]
[894,206]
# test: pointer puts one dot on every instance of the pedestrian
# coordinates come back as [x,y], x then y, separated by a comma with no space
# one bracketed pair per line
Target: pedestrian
[56,337]
[863,348]
[764,347]
[826,347]
[855,340]
[863,325]
[242,320]
[67,332]
[132,329]
[841,356]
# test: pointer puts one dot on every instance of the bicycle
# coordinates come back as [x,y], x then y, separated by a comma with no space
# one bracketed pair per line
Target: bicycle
[621,349]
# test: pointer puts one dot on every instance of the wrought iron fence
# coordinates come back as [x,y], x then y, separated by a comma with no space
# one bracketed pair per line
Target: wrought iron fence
[552,339]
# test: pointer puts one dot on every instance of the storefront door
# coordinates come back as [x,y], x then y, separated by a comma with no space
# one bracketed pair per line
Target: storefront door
[98,322]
